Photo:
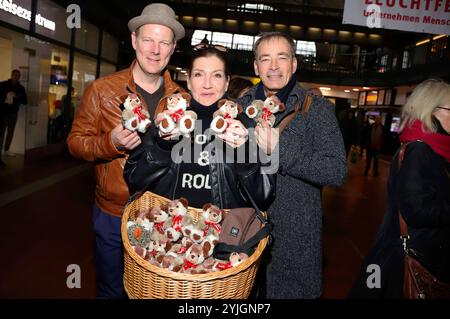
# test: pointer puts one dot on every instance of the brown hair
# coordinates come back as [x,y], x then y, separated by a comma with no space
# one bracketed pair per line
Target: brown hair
[237,85]
[206,52]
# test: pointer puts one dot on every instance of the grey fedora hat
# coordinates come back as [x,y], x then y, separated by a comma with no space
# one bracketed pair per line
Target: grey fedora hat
[158,13]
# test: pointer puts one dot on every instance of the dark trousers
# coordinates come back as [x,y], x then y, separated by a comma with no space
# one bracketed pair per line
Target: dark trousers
[372,154]
[108,255]
[8,122]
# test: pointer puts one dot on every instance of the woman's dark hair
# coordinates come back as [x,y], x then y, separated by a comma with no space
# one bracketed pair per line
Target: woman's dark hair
[206,52]
[237,85]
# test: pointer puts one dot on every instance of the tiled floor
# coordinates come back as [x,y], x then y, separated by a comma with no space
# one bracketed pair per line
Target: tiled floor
[46,226]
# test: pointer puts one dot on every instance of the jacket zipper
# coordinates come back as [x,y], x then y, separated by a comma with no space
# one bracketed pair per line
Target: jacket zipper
[178,175]
[219,179]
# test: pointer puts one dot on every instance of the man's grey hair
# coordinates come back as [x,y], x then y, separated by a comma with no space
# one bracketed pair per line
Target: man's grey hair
[265,36]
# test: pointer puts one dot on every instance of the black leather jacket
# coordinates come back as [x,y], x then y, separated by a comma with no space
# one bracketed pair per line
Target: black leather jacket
[150,167]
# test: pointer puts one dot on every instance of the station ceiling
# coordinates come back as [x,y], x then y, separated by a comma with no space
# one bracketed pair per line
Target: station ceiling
[113,15]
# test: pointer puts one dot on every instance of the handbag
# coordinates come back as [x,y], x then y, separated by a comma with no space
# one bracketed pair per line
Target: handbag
[418,282]
[242,230]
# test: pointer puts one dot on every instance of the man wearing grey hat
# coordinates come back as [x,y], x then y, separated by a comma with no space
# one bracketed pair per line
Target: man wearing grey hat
[98,134]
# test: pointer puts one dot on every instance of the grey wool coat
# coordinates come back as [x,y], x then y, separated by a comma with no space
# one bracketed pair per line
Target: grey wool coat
[311,155]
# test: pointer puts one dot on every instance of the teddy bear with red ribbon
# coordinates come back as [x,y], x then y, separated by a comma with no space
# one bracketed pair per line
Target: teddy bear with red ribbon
[177,209]
[265,110]
[177,116]
[134,115]
[227,109]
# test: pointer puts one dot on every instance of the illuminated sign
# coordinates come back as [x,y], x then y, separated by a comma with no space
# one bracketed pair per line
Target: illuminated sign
[14,9]
[407,15]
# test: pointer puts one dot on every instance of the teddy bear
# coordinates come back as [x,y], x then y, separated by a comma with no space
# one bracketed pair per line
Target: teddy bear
[227,109]
[142,252]
[265,111]
[143,217]
[161,245]
[234,260]
[177,209]
[210,220]
[173,261]
[193,259]
[186,242]
[212,264]
[134,116]
[272,105]
[209,242]
[159,216]
[176,115]
[194,232]
[254,109]
[191,229]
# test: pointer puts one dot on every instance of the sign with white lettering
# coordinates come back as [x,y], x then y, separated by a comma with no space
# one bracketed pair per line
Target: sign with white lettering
[427,16]
[17,10]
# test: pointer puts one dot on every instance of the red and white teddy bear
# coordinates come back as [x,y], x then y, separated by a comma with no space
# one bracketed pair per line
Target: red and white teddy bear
[265,111]
[134,115]
[177,115]
[177,211]
[227,110]
[212,264]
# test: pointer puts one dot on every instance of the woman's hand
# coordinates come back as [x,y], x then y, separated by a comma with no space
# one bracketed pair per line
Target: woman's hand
[173,135]
[267,137]
[236,134]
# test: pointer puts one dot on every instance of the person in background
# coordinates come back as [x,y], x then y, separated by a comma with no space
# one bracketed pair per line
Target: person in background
[238,87]
[68,110]
[12,95]
[311,155]
[420,191]
[374,145]
[363,127]
[347,124]
[98,134]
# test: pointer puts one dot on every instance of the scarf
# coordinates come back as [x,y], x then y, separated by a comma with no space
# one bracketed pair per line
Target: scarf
[282,94]
[440,143]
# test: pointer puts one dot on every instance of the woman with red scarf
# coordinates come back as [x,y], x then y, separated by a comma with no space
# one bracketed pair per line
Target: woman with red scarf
[420,190]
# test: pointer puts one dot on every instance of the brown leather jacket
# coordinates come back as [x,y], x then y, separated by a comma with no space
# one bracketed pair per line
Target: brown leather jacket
[90,137]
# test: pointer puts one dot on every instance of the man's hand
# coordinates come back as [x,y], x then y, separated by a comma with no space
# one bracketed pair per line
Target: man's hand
[267,137]
[236,134]
[124,139]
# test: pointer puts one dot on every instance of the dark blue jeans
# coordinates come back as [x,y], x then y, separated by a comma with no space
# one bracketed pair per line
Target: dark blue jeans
[108,255]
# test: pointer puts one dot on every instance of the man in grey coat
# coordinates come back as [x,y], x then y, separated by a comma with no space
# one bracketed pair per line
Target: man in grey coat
[311,155]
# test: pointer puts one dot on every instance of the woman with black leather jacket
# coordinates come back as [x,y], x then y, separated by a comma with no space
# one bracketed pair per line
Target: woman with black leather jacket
[205,168]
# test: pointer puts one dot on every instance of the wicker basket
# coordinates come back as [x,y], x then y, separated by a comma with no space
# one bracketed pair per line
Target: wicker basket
[145,281]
